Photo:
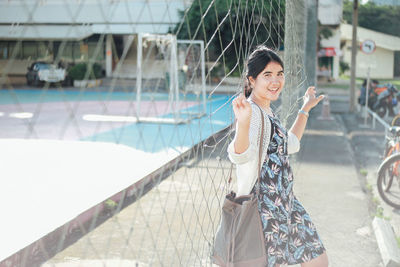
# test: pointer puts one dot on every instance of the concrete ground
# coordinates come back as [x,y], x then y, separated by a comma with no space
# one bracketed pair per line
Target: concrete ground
[328,186]
[173,224]
[368,146]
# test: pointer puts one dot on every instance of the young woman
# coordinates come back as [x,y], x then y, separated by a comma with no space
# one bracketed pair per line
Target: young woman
[290,235]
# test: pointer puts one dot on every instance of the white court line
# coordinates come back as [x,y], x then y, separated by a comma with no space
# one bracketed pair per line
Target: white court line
[21,115]
[96,263]
[112,118]
[94,117]
[115,118]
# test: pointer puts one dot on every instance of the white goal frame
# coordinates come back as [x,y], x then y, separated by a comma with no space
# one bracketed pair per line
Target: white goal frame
[173,98]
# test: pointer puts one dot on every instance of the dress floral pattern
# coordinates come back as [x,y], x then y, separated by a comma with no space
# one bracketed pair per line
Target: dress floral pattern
[290,235]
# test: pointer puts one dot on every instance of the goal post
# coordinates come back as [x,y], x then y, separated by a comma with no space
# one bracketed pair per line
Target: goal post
[198,88]
[191,69]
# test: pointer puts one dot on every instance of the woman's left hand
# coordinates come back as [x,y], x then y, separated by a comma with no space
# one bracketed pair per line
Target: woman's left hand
[310,100]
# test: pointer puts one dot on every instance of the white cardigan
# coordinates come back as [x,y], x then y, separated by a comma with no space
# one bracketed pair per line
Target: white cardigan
[246,162]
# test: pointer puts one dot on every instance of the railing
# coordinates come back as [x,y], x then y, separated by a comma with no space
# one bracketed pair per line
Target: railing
[375,117]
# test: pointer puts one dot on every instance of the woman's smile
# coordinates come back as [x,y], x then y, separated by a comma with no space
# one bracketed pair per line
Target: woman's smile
[273,90]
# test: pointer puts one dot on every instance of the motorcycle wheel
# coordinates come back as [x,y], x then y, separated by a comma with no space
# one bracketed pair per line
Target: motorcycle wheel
[381,111]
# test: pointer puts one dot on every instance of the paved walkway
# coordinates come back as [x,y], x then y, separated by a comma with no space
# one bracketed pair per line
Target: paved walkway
[327,183]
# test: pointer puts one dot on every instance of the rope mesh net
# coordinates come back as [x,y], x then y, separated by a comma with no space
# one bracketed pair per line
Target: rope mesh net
[122,161]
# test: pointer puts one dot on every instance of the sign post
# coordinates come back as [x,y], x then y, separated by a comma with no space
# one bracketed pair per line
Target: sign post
[368,47]
[366,97]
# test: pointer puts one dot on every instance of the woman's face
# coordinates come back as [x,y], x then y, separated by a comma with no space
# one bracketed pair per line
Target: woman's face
[269,82]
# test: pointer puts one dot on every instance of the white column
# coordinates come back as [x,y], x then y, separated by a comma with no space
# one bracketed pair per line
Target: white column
[335,67]
[108,56]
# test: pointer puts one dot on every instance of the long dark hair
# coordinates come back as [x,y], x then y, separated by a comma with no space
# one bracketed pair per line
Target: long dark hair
[257,61]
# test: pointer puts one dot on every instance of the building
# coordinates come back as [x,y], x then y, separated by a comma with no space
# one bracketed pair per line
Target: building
[80,30]
[337,49]
[380,62]
[330,16]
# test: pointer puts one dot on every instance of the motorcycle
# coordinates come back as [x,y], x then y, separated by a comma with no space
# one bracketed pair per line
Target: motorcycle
[383,100]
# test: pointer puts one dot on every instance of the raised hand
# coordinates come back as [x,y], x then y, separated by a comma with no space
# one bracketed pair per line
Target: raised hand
[310,100]
[242,109]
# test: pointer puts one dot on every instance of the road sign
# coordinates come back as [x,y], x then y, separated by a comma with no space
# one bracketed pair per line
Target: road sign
[368,46]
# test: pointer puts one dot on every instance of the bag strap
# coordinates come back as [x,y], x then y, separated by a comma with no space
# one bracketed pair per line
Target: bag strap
[259,152]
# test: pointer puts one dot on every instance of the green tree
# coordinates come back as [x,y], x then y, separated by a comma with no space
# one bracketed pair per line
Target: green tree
[237,24]
[385,19]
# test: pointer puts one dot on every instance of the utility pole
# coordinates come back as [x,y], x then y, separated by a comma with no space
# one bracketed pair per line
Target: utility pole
[311,43]
[354,48]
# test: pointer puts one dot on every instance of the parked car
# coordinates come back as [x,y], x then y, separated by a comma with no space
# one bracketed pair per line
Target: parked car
[40,72]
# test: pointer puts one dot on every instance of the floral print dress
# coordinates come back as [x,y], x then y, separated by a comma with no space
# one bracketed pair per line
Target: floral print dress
[290,235]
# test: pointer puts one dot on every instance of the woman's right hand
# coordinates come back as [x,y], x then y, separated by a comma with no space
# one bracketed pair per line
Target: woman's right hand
[242,110]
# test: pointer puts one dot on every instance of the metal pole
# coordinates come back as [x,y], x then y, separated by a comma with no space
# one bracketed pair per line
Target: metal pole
[108,55]
[373,122]
[139,75]
[175,71]
[354,47]
[366,97]
[171,67]
[311,42]
[203,77]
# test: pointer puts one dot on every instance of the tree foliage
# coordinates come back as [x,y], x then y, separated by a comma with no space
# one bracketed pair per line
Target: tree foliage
[234,25]
[325,31]
[385,19]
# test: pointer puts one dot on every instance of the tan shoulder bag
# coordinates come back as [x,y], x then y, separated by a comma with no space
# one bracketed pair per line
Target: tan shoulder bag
[239,240]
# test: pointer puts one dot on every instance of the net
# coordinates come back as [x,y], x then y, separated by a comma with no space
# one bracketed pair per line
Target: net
[114,153]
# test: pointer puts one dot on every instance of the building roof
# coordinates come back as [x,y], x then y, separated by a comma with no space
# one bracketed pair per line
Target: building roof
[91,11]
[45,32]
[130,28]
[52,19]
[382,40]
